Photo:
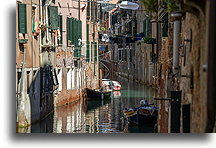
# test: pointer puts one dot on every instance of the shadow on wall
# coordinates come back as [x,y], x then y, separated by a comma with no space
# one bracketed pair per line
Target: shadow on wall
[42,93]
[45,126]
[39,96]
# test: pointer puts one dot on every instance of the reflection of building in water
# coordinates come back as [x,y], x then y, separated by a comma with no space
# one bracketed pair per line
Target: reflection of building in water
[69,119]
[92,118]
[101,116]
[116,113]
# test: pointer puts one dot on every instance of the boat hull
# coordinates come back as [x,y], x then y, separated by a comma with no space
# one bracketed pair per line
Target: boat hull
[92,94]
[141,116]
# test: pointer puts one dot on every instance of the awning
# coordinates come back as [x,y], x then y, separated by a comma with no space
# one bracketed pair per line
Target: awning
[128,5]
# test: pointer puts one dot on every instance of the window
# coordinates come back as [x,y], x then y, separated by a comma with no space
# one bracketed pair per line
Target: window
[147,27]
[120,54]
[60,29]
[92,55]
[53,17]
[33,18]
[19,75]
[69,31]
[22,19]
[88,9]
[165,26]
[95,51]
[28,81]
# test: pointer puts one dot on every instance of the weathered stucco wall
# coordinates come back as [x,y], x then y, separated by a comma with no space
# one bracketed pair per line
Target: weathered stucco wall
[194,89]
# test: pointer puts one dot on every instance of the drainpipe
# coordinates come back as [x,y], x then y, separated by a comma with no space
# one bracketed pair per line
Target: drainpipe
[176,33]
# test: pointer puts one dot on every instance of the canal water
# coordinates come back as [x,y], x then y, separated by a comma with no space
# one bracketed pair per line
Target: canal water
[104,116]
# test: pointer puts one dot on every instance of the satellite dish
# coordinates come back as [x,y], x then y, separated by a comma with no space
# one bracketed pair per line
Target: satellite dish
[128,5]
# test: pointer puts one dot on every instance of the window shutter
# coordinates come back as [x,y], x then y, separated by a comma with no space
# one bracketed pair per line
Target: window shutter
[22,19]
[95,51]
[79,37]
[75,31]
[144,28]
[87,51]
[68,31]
[53,15]
[165,26]
[60,28]
[87,32]
[88,9]
[33,25]
[95,15]
[114,20]
[92,11]
[71,30]
[149,28]
[80,29]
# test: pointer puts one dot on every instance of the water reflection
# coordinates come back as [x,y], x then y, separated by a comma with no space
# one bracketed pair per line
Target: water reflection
[103,116]
[98,116]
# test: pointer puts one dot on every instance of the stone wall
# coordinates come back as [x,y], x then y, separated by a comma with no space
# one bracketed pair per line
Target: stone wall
[194,87]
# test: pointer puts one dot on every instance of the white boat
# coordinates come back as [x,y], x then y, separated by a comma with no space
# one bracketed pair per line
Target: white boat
[106,85]
[116,85]
[111,85]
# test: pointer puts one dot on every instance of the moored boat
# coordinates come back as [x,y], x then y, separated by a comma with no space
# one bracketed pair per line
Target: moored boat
[132,115]
[111,85]
[142,115]
[97,94]
[116,86]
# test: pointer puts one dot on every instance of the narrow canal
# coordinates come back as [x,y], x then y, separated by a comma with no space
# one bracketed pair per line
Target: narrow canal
[98,116]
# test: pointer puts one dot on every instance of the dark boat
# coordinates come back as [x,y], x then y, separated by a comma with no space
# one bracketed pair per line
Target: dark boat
[142,115]
[97,94]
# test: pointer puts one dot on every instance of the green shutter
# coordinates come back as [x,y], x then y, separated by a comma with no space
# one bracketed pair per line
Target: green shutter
[75,32]
[88,9]
[149,28]
[144,28]
[92,11]
[60,28]
[79,36]
[68,31]
[76,36]
[22,19]
[95,7]
[95,51]
[72,31]
[80,29]
[165,26]
[33,25]
[87,51]
[53,17]
[87,32]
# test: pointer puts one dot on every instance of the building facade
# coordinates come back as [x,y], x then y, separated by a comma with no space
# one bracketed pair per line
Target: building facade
[56,55]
